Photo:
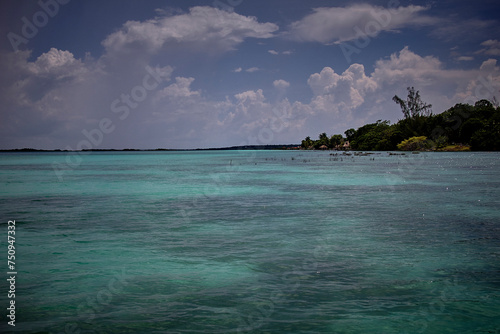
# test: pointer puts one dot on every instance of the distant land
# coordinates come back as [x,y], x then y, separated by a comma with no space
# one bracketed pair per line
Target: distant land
[233,148]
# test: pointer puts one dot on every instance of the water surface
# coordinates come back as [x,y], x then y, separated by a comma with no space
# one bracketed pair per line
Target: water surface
[254,241]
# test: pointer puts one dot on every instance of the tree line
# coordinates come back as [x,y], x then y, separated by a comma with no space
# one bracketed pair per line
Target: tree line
[460,128]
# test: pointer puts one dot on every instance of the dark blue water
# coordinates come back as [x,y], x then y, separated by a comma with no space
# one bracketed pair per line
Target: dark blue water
[253,241]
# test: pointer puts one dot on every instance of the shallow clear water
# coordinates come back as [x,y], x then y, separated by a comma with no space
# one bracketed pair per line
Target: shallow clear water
[253,241]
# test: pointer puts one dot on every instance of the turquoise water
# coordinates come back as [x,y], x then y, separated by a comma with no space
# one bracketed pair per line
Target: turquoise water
[253,242]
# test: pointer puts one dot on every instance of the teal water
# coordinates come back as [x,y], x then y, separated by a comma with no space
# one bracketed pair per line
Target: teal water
[253,242]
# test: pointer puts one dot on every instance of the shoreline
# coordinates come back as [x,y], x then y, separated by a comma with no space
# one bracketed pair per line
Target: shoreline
[230,148]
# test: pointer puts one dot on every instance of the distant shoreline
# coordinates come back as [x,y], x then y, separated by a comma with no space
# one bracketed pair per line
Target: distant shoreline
[231,148]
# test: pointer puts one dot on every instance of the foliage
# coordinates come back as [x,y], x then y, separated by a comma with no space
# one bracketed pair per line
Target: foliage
[414,144]
[333,142]
[457,128]
[374,137]
[307,143]
[336,140]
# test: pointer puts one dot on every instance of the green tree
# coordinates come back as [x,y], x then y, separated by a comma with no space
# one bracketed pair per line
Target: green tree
[371,137]
[349,134]
[415,111]
[307,143]
[323,140]
[336,140]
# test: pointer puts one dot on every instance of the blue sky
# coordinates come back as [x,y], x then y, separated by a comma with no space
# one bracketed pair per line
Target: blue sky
[196,74]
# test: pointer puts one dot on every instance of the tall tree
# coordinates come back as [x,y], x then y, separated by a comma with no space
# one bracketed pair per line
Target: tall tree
[413,107]
[415,111]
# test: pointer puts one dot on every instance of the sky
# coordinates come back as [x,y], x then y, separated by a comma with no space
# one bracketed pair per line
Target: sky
[186,74]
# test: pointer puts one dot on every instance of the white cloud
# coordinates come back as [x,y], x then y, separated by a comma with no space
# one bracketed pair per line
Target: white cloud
[180,89]
[489,66]
[491,47]
[251,95]
[275,53]
[57,63]
[252,69]
[336,94]
[42,97]
[491,43]
[206,29]
[407,66]
[354,98]
[254,120]
[248,70]
[281,84]
[53,98]
[25,83]
[340,24]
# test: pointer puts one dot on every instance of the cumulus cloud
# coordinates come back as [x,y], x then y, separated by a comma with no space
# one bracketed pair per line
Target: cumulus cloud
[250,96]
[25,83]
[273,52]
[405,66]
[345,90]
[255,120]
[358,97]
[41,97]
[489,66]
[281,84]
[57,63]
[340,24]
[53,98]
[181,88]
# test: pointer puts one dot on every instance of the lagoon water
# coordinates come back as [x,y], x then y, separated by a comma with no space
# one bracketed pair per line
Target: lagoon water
[253,242]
